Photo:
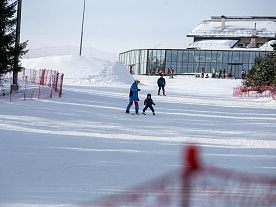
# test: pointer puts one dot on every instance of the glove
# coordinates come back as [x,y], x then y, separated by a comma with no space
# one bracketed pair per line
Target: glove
[139,89]
[154,104]
[138,99]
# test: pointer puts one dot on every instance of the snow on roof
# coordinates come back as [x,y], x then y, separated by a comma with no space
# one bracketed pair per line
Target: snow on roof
[226,45]
[236,27]
[215,44]
[267,46]
[243,17]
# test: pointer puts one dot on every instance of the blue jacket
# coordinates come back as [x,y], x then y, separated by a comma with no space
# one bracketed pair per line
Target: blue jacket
[133,93]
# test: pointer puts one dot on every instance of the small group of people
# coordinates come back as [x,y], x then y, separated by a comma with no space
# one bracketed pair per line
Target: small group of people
[219,74]
[222,74]
[148,102]
[160,72]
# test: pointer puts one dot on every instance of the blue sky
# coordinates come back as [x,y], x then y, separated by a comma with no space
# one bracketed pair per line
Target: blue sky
[120,25]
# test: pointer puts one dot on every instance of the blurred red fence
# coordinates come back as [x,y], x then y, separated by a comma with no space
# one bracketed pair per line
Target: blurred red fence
[33,84]
[255,91]
[196,185]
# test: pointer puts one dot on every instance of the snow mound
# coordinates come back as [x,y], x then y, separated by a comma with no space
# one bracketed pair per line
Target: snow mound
[79,70]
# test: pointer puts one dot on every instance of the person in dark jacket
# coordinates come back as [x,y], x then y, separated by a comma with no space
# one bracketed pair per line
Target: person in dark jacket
[148,102]
[161,82]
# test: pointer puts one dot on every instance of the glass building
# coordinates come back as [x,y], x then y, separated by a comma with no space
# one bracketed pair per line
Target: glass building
[189,61]
[222,42]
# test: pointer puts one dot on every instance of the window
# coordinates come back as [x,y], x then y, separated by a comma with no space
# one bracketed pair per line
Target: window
[245,57]
[189,61]
[208,56]
[259,44]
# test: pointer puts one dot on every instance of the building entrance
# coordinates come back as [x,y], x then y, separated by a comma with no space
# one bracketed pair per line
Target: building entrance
[236,69]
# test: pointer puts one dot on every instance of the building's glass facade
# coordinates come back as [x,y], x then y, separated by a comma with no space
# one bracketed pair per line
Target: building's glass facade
[187,61]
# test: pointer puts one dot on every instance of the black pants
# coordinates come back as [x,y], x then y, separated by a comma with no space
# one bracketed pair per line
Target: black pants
[163,89]
[146,107]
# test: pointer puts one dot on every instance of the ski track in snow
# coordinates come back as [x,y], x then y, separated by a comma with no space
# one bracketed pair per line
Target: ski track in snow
[69,150]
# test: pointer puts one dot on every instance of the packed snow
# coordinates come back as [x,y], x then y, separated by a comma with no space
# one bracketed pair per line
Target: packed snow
[82,146]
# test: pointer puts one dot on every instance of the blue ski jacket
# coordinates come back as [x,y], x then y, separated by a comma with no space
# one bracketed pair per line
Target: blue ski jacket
[133,93]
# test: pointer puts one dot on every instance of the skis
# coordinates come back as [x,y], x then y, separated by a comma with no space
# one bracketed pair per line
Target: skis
[132,113]
[146,114]
[137,114]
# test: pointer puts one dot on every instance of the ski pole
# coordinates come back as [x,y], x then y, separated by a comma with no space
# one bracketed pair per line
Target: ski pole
[154,89]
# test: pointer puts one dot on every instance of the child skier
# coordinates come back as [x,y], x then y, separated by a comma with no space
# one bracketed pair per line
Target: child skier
[148,104]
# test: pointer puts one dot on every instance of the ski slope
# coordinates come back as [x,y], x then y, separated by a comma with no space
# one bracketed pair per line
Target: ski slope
[69,150]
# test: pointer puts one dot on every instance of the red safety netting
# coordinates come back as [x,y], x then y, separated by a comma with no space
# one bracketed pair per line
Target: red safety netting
[33,84]
[255,91]
[196,185]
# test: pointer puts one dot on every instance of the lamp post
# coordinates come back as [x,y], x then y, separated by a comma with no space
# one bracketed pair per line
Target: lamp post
[82,26]
[17,41]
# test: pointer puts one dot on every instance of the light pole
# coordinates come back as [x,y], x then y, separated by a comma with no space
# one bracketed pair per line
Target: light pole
[17,41]
[82,26]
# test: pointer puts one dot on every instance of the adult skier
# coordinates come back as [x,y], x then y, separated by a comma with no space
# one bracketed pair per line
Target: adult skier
[161,82]
[133,97]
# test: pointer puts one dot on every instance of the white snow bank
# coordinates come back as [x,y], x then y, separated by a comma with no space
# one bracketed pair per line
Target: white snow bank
[79,70]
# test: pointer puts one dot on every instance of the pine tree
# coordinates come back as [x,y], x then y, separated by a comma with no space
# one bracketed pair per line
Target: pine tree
[8,49]
[273,45]
[263,72]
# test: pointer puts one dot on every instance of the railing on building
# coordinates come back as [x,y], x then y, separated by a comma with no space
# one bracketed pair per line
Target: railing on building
[209,44]
[236,32]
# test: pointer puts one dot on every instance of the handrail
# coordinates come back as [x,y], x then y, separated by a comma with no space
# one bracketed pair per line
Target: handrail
[246,32]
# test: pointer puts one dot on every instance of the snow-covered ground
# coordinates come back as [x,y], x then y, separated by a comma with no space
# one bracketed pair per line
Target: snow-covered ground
[70,150]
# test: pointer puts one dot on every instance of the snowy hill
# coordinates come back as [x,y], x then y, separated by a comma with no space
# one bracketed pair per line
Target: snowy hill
[81,70]
[66,151]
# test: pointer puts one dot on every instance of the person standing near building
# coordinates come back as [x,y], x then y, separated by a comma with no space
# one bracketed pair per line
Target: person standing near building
[202,72]
[243,74]
[160,72]
[161,82]
[133,97]
[220,73]
[224,73]
[171,72]
[230,75]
